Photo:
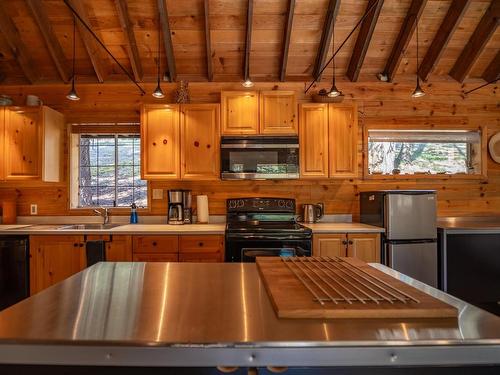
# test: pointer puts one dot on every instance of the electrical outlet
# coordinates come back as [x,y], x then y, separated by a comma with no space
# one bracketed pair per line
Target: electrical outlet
[157,193]
[34,209]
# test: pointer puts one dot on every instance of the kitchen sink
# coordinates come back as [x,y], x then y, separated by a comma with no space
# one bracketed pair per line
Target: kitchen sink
[89,226]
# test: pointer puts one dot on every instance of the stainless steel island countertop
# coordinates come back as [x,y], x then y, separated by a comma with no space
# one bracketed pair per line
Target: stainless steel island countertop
[182,314]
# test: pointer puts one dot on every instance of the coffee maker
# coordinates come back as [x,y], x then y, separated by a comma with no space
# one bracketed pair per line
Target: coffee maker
[179,207]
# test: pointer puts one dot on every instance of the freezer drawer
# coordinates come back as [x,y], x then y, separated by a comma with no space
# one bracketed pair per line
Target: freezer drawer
[410,216]
[417,260]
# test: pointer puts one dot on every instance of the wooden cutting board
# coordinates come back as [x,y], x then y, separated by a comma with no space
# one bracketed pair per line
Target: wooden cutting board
[292,299]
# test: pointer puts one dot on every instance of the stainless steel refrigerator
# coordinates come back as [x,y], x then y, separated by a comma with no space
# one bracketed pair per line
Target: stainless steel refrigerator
[410,239]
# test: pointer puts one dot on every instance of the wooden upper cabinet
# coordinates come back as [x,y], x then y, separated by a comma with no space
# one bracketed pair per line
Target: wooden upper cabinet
[329,245]
[200,141]
[240,112]
[23,144]
[160,142]
[364,246]
[343,139]
[313,138]
[278,112]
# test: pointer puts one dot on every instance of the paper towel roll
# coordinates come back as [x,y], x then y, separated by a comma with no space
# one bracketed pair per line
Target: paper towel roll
[202,209]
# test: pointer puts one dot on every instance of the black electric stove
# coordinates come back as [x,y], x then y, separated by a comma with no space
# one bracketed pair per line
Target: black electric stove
[264,227]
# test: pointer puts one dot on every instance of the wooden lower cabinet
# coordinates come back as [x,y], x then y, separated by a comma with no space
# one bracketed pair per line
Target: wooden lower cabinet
[364,246]
[184,248]
[329,245]
[145,257]
[119,249]
[53,259]
[209,248]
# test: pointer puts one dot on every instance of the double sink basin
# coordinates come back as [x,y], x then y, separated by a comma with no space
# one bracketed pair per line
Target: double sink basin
[88,226]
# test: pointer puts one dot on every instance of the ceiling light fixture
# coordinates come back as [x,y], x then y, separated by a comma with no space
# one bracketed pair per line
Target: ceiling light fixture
[418,92]
[158,93]
[334,92]
[72,95]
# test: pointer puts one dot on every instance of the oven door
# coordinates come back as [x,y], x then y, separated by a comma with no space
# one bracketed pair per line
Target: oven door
[246,250]
[259,158]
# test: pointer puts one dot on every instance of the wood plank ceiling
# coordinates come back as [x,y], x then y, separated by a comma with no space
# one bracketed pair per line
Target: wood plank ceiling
[204,40]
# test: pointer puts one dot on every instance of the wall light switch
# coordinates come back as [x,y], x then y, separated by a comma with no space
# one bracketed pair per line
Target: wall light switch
[157,193]
[34,209]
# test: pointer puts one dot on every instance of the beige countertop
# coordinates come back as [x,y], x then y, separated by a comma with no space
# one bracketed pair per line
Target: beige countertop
[325,228]
[151,229]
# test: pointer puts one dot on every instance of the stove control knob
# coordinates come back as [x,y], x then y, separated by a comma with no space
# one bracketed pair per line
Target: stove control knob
[281,204]
[241,203]
[289,204]
[232,204]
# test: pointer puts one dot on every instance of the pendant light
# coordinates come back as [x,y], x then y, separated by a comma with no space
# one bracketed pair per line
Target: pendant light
[418,92]
[334,92]
[247,83]
[72,95]
[158,93]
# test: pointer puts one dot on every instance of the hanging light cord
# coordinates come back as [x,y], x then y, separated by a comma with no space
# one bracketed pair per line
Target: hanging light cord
[74,50]
[75,13]
[159,47]
[333,49]
[481,86]
[418,68]
[342,44]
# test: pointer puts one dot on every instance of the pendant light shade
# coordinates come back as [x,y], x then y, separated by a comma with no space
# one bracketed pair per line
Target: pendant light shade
[72,95]
[334,92]
[247,83]
[158,93]
[418,92]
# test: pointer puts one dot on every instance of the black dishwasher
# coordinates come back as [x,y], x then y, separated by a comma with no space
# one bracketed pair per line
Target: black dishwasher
[14,270]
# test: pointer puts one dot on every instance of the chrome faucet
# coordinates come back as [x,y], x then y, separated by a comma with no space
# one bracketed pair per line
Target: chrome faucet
[104,213]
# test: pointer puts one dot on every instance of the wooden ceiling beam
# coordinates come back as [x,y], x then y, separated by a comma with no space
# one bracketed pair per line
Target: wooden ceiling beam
[17,46]
[363,41]
[91,45]
[403,39]
[167,39]
[477,42]
[326,37]
[51,41]
[248,41]
[286,39]
[492,71]
[450,22]
[208,42]
[128,31]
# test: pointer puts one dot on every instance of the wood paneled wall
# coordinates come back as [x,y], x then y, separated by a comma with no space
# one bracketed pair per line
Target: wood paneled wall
[378,103]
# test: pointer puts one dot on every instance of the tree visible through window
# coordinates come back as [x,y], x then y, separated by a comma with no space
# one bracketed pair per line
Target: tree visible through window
[430,152]
[110,171]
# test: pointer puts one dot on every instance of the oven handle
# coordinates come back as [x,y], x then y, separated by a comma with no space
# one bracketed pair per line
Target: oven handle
[252,237]
[258,146]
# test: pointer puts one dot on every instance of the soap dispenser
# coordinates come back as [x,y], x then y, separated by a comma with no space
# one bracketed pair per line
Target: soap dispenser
[133,214]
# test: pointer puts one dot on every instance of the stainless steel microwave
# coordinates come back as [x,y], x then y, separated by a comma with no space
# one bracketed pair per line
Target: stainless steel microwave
[259,158]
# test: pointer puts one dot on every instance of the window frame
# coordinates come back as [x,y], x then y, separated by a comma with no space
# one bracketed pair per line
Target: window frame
[74,168]
[478,176]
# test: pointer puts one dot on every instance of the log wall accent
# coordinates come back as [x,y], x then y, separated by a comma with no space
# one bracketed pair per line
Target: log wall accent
[378,103]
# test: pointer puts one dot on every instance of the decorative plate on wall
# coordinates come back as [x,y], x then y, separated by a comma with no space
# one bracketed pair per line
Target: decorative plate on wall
[494,147]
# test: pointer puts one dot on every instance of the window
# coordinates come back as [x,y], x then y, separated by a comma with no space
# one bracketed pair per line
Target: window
[109,171]
[431,152]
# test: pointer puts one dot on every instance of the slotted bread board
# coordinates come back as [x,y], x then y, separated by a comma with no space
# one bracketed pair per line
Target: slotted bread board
[309,287]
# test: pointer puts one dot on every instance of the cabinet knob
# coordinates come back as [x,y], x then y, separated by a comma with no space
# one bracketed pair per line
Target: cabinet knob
[350,242]
[208,146]
[81,245]
[196,144]
[75,245]
[344,242]
[200,244]
[164,141]
[154,243]
[154,143]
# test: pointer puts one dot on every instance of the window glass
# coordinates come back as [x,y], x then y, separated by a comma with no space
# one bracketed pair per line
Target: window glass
[394,152]
[109,171]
